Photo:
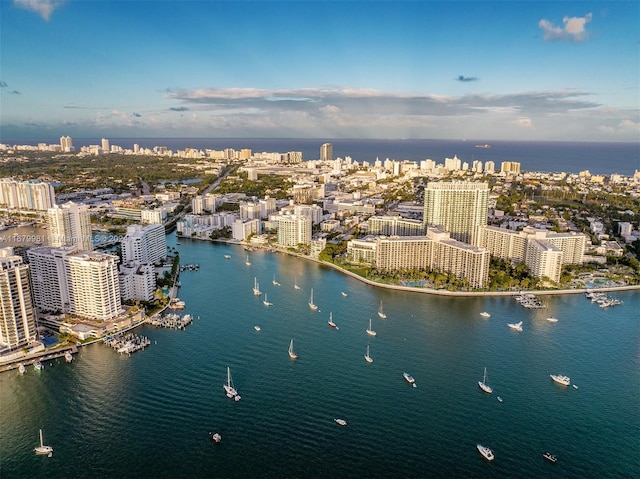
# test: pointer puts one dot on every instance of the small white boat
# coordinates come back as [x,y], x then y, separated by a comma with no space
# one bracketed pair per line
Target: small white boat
[68,357]
[229,389]
[344,294]
[381,312]
[499,399]
[560,379]
[292,355]
[38,365]
[484,314]
[256,287]
[483,384]
[331,323]
[247,262]
[368,358]
[274,282]
[550,457]
[515,326]
[575,386]
[486,452]
[295,283]
[312,305]
[266,301]
[21,368]
[217,438]
[42,449]
[257,328]
[340,422]
[409,378]
[370,331]
[551,319]
[227,256]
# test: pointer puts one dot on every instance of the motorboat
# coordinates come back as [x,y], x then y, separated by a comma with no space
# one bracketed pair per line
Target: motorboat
[486,452]
[499,399]
[370,331]
[227,256]
[550,457]
[515,326]
[409,378]
[483,384]
[38,365]
[42,449]
[484,314]
[575,386]
[560,379]
[21,368]
[551,319]
[340,422]
[344,294]
[68,357]
[217,438]
[257,328]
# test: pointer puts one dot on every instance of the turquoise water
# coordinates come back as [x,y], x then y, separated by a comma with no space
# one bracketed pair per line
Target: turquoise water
[149,415]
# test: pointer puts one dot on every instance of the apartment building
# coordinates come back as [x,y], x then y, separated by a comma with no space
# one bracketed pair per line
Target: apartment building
[17,322]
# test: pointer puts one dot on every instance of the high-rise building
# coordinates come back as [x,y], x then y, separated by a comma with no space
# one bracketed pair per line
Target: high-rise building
[326,152]
[510,167]
[394,226]
[293,230]
[17,322]
[66,144]
[459,207]
[105,146]
[70,224]
[144,244]
[26,195]
[49,278]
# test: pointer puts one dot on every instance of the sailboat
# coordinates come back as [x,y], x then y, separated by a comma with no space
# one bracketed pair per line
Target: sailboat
[368,358]
[229,389]
[312,305]
[247,262]
[381,312]
[295,283]
[483,384]
[370,331]
[274,282]
[266,301]
[331,323]
[256,287]
[292,355]
[42,449]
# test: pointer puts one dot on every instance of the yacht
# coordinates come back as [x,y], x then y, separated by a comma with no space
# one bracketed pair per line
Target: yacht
[38,365]
[486,452]
[274,282]
[256,287]
[68,357]
[340,422]
[266,301]
[483,384]
[331,323]
[42,449]
[229,389]
[292,355]
[381,313]
[312,305]
[227,256]
[21,368]
[516,326]
[564,380]
[370,331]
[409,378]
[551,319]
[549,457]
[216,437]
[484,314]
[344,294]
[368,358]
[257,328]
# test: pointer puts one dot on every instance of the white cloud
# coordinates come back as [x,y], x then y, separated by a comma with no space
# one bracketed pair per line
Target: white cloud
[44,8]
[524,122]
[574,29]
[629,125]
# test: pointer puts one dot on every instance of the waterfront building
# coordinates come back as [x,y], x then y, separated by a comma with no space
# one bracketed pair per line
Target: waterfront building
[459,207]
[293,230]
[362,250]
[394,226]
[92,281]
[544,260]
[312,211]
[49,278]
[144,244]
[17,322]
[26,195]
[202,204]
[152,216]
[250,211]
[326,152]
[70,224]
[137,281]
[316,247]
[242,229]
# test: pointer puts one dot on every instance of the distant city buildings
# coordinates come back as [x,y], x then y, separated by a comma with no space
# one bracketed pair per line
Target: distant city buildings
[26,195]
[326,152]
[17,322]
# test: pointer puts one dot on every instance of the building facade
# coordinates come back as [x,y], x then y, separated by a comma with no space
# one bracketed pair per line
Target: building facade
[17,321]
[144,244]
[70,224]
[26,195]
[293,230]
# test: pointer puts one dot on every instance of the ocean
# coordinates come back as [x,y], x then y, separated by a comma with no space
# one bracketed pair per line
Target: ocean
[571,157]
[149,415]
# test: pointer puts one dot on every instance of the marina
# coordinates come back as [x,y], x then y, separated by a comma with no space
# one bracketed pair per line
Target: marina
[174,386]
[127,343]
[171,321]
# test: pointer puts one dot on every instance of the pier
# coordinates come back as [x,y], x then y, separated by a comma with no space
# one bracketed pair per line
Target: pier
[127,343]
[171,321]
[43,357]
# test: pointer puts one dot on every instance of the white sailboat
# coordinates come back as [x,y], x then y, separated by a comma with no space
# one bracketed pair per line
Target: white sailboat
[247,262]
[256,287]
[266,301]
[368,358]
[295,283]
[312,305]
[42,449]
[483,384]
[381,312]
[331,323]
[370,331]
[274,282]
[229,389]
[292,355]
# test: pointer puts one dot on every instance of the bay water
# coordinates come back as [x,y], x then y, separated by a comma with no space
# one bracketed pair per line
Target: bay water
[150,414]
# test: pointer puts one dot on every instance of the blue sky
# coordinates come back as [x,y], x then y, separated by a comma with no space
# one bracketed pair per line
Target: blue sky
[511,70]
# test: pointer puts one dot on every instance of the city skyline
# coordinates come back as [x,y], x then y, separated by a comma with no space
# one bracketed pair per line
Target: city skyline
[441,70]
